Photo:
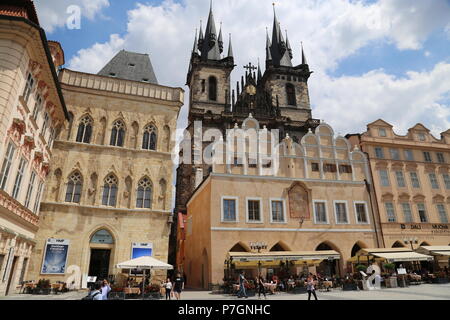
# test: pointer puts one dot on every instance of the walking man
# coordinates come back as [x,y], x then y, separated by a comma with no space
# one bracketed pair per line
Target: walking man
[242,282]
[311,286]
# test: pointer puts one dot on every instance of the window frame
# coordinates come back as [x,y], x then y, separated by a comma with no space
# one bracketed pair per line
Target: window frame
[446,178]
[410,212]
[30,189]
[325,202]
[387,177]
[407,153]
[402,179]
[387,211]
[222,208]
[424,209]
[152,189]
[17,186]
[382,132]
[366,209]
[434,181]
[440,157]
[7,164]
[395,154]
[261,211]
[427,157]
[444,221]
[412,180]
[381,149]
[283,201]
[335,202]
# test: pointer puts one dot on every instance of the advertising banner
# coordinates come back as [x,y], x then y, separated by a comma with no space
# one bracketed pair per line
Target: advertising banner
[141,250]
[55,256]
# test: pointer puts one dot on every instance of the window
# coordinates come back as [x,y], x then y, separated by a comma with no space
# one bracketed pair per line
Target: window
[118,134]
[19,177]
[52,137]
[290,93]
[7,162]
[422,212]
[315,167]
[395,154]
[150,138]
[427,157]
[407,213]
[390,212]
[400,179]
[446,181]
[28,87]
[229,210]
[46,124]
[341,212]
[415,180]
[320,212]
[409,155]
[442,213]
[144,194]
[421,136]
[379,153]
[203,85]
[254,211]
[329,167]
[277,211]
[345,169]
[384,178]
[433,181]
[74,187]
[212,86]
[382,132]
[30,190]
[85,130]
[361,213]
[37,107]
[37,201]
[441,158]
[110,191]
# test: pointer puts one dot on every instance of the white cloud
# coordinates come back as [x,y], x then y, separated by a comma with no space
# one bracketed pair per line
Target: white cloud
[53,13]
[331,31]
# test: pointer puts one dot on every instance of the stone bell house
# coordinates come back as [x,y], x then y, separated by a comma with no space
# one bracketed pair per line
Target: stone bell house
[32,112]
[111,181]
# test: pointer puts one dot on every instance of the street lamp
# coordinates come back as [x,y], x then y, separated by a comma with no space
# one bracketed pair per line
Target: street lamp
[411,241]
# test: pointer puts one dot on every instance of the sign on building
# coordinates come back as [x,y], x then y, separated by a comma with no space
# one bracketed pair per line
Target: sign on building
[55,256]
[144,249]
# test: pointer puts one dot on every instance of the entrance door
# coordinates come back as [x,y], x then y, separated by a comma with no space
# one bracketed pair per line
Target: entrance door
[99,265]
[11,275]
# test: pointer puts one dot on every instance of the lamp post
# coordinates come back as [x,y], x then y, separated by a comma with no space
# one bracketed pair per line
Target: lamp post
[258,246]
[411,241]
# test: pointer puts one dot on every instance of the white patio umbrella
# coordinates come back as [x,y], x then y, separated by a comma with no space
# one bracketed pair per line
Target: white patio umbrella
[145,263]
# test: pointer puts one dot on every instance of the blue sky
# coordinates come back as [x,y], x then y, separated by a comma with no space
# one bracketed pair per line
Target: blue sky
[372,59]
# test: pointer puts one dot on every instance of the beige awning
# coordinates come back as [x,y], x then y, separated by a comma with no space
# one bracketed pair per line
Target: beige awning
[145,263]
[441,253]
[284,256]
[403,256]
[435,250]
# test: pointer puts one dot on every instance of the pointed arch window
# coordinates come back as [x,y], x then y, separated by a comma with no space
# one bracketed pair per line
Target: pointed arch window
[150,140]
[110,188]
[74,187]
[212,86]
[290,92]
[85,130]
[118,134]
[144,194]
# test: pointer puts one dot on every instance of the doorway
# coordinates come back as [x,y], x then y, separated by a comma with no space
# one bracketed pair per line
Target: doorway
[11,275]
[99,264]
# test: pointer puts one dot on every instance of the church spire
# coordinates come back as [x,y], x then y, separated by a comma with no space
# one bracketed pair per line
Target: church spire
[279,48]
[259,72]
[194,49]
[230,49]
[200,38]
[304,61]
[268,45]
[288,46]
[211,44]
[220,39]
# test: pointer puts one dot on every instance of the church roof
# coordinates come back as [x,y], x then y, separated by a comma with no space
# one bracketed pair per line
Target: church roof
[130,66]
[19,8]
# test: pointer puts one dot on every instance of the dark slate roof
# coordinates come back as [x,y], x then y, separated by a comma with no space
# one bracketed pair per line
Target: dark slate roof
[130,66]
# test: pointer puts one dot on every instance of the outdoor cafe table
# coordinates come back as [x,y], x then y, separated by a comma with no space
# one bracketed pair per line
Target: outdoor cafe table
[132,291]
[271,286]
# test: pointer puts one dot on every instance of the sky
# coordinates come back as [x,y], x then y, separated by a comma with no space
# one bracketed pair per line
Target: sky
[386,59]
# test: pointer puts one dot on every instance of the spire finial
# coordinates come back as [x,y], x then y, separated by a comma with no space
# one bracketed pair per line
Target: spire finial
[230,48]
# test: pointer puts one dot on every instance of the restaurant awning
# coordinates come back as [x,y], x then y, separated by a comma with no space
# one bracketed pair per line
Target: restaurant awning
[393,254]
[435,250]
[284,256]
[145,263]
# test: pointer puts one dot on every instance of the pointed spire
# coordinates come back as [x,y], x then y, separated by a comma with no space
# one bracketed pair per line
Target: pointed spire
[230,49]
[259,72]
[200,38]
[278,48]
[211,48]
[194,49]
[220,40]
[304,61]
[288,46]
[268,45]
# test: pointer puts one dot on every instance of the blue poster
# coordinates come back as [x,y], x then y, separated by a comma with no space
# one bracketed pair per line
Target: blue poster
[55,258]
[141,250]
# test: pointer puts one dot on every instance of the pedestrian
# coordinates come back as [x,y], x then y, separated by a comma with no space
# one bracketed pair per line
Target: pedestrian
[106,289]
[242,282]
[179,286]
[262,288]
[96,293]
[311,286]
[168,287]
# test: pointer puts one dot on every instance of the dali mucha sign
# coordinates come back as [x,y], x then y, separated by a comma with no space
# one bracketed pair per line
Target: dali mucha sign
[437,228]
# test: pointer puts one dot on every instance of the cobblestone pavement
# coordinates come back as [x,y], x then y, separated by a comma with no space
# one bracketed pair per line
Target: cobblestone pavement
[422,292]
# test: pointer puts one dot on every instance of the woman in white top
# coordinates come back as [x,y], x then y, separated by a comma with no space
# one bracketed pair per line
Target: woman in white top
[106,289]
[168,286]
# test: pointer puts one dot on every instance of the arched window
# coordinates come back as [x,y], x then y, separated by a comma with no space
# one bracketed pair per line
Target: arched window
[290,92]
[110,191]
[212,85]
[144,194]
[85,130]
[74,186]
[150,138]
[118,134]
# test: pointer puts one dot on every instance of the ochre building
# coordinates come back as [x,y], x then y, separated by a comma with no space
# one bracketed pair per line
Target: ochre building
[111,182]
[32,111]
[412,183]
[312,212]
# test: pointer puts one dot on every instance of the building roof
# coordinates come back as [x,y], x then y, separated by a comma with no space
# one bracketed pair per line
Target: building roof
[130,66]
[19,8]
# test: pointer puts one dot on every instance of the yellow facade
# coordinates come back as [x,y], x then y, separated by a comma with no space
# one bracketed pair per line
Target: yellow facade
[412,183]
[295,186]
[104,101]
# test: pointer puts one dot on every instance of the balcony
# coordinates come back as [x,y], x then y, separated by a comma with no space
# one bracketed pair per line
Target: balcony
[16,210]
